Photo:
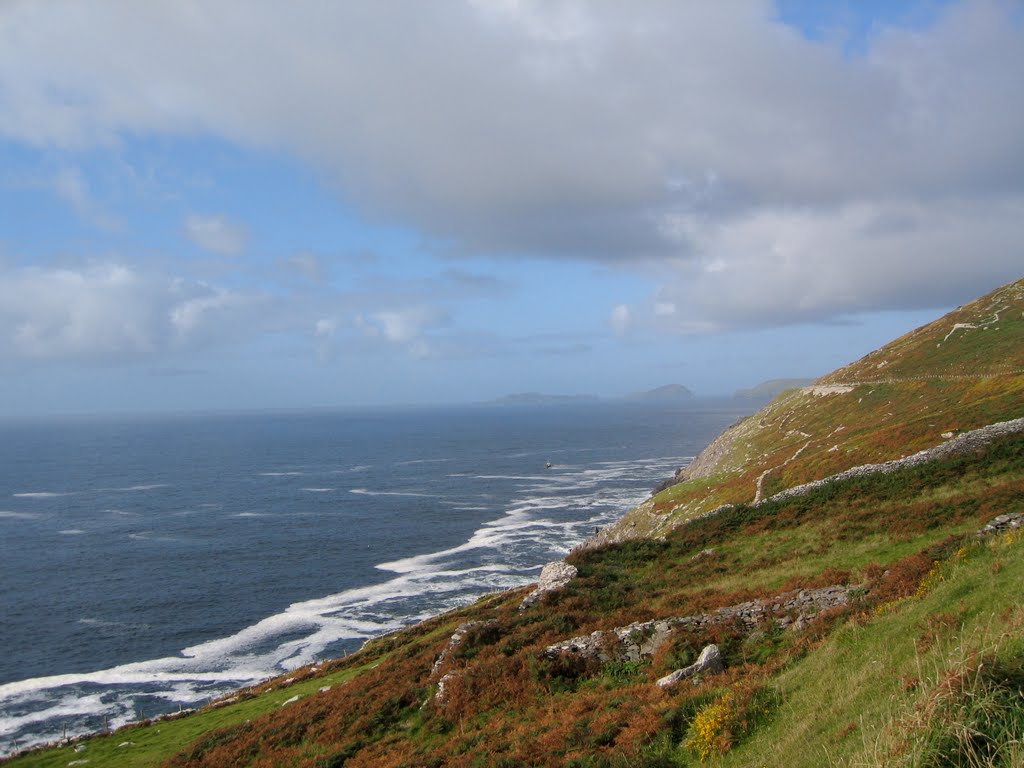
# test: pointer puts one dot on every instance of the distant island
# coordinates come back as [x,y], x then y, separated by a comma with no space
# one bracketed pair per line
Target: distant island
[772,387]
[665,394]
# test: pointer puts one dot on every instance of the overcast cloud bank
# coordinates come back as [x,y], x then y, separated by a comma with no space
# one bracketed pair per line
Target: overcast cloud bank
[756,176]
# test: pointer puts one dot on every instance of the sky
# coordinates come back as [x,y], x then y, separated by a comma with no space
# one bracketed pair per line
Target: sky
[247,204]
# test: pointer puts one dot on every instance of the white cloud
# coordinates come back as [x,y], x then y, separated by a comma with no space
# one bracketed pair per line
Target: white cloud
[110,312]
[405,325]
[805,265]
[70,185]
[325,327]
[662,132]
[216,233]
[307,264]
[621,319]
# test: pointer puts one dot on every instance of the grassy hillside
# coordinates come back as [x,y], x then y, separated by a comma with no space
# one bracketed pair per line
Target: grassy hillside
[961,372]
[920,663]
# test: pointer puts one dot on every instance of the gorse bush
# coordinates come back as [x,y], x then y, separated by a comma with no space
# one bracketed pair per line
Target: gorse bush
[711,729]
[719,725]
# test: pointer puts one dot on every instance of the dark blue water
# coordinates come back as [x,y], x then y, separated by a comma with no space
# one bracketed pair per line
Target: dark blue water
[150,564]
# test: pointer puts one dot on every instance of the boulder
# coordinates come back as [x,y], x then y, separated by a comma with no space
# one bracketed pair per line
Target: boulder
[709,661]
[1002,524]
[553,576]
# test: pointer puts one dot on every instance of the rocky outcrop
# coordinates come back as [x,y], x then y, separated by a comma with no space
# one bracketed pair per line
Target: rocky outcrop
[709,662]
[457,639]
[974,440]
[553,576]
[645,522]
[1002,524]
[642,639]
[454,642]
[708,460]
[441,695]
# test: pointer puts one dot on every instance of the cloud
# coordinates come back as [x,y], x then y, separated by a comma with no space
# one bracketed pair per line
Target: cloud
[404,325]
[112,313]
[216,234]
[807,265]
[116,312]
[663,134]
[307,264]
[620,319]
[473,283]
[70,185]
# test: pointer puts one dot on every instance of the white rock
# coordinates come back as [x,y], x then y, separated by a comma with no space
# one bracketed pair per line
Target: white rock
[553,576]
[710,661]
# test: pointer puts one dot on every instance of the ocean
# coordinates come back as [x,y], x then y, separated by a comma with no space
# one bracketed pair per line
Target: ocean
[150,564]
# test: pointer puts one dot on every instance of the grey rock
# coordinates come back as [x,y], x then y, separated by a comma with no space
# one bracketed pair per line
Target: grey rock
[967,442]
[1001,524]
[553,576]
[974,440]
[642,639]
[441,694]
[454,642]
[709,661]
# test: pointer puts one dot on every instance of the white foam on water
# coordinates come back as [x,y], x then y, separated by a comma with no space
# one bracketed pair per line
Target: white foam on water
[146,487]
[150,536]
[317,490]
[254,514]
[368,492]
[101,623]
[246,656]
[65,707]
[71,532]
[41,494]
[8,515]
[293,473]
[504,477]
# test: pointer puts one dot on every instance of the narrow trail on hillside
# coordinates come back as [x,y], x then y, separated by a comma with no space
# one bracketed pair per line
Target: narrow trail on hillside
[761,478]
[929,377]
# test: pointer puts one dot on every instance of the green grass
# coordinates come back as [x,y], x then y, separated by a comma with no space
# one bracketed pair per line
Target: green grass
[858,699]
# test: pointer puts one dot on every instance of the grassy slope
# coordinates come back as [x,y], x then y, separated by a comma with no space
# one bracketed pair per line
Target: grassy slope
[872,684]
[898,400]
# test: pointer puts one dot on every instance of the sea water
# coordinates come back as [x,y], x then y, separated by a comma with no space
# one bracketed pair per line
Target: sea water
[149,564]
